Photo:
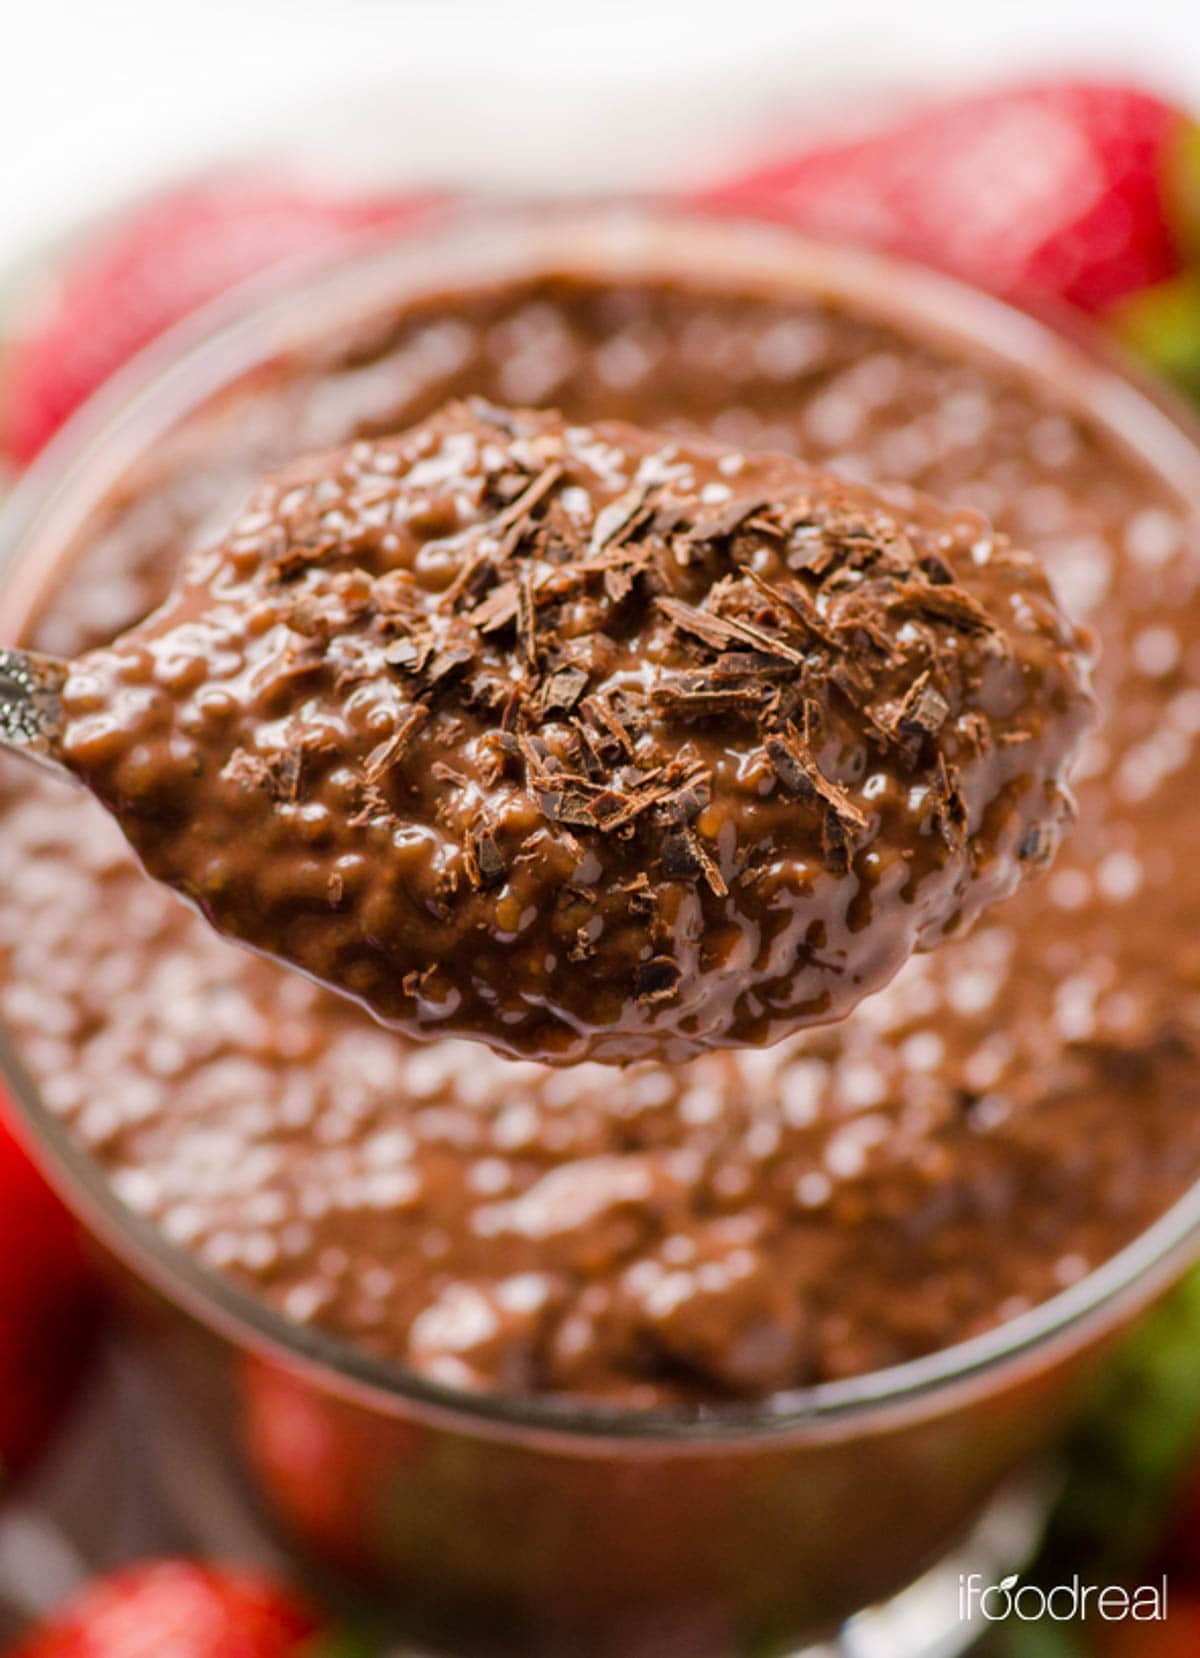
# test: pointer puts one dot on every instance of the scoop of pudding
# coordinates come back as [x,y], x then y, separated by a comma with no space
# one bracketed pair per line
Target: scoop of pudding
[589,742]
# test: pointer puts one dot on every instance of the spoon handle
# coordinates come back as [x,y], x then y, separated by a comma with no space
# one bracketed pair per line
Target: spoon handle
[31,707]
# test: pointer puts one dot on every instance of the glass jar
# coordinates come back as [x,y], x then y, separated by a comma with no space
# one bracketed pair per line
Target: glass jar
[539,1525]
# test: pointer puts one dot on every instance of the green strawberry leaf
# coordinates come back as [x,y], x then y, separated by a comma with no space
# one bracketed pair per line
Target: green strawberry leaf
[1131,1448]
[1036,1640]
[1162,326]
[344,1643]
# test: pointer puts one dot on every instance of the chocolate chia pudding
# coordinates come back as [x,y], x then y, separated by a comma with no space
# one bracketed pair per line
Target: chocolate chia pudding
[1001,1118]
[586,741]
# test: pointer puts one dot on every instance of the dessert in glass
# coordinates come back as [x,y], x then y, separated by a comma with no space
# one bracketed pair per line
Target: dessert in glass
[698,1357]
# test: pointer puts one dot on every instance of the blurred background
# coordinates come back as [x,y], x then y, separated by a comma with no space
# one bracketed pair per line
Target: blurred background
[106,97]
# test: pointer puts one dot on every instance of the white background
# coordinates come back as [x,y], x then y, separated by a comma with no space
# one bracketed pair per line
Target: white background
[98,97]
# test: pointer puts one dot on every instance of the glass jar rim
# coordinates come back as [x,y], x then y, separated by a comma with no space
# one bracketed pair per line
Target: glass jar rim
[462,249]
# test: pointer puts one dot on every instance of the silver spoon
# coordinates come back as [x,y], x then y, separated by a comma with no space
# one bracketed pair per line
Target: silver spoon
[31,708]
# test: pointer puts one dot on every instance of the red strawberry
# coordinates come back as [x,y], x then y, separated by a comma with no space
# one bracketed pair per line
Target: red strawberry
[1176,1636]
[156,264]
[181,1609]
[326,1466]
[48,1307]
[1085,192]
[1178,1547]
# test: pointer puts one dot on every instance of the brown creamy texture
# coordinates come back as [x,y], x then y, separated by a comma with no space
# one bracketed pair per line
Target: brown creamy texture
[587,742]
[1011,1109]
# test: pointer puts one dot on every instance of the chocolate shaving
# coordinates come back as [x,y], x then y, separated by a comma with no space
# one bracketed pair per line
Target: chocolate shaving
[409,655]
[583,947]
[497,610]
[520,509]
[483,858]
[751,665]
[977,733]
[950,808]
[797,603]
[617,519]
[697,698]
[800,775]
[656,980]
[835,845]
[699,624]
[383,758]
[937,570]
[588,753]
[446,665]
[298,556]
[373,805]
[417,983]
[277,775]
[812,723]
[687,801]
[717,523]
[471,582]
[721,631]
[563,690]
[924,709]
[569,806]
[446,773]
[642,898]
[685,857]
[633,805]
[599,709]
[527,617]
[620,576]
[945,604]
[678,858]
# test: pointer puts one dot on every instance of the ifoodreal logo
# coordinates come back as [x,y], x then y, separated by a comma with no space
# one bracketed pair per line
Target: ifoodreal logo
[1063,1603]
